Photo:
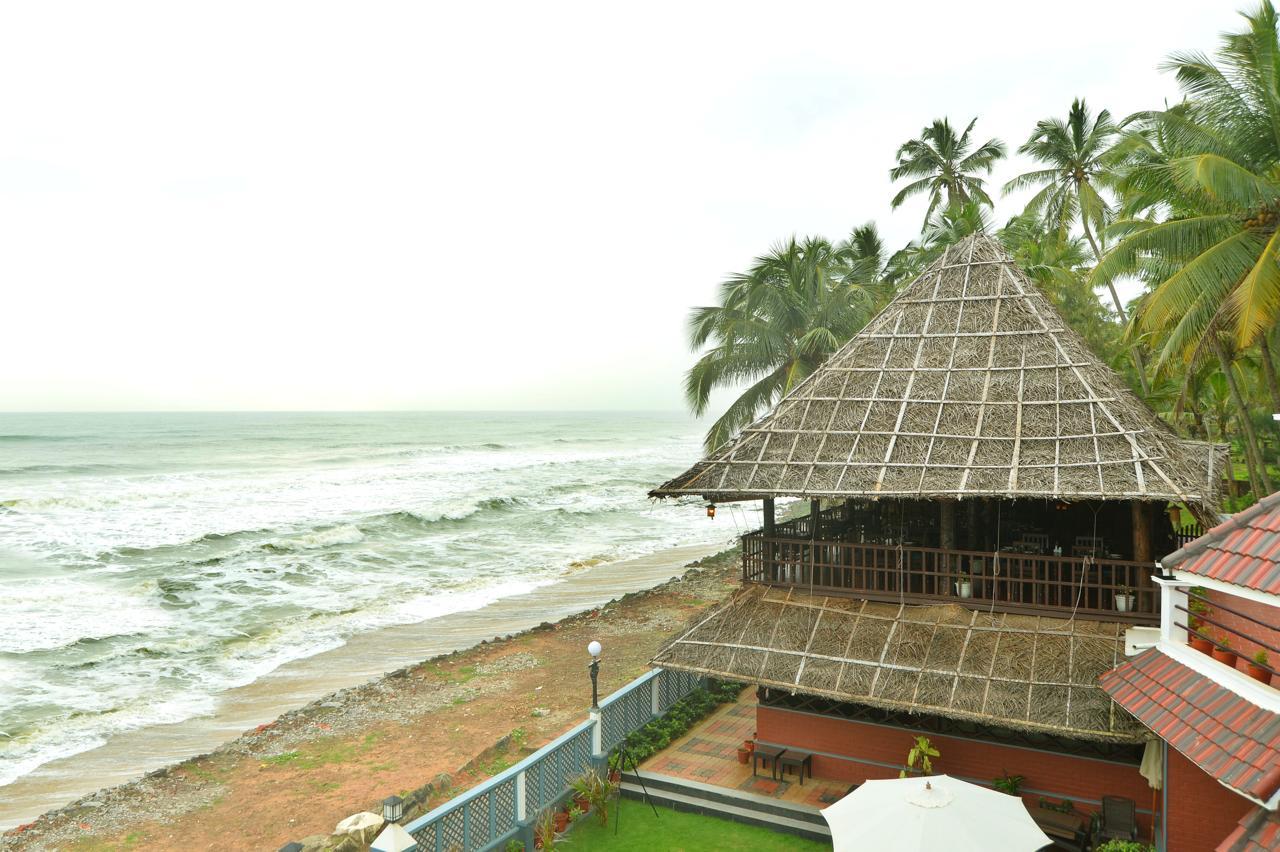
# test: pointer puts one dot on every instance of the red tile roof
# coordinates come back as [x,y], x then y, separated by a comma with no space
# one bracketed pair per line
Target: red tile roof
[1259,831]
[1244,549]
[1232,739]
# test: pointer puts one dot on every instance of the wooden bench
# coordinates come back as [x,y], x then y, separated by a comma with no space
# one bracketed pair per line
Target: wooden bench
[798,760]
[764,753]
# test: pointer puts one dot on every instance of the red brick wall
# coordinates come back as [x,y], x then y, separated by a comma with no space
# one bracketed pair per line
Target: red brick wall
[1201,811]
[1054,776]
[1262,612]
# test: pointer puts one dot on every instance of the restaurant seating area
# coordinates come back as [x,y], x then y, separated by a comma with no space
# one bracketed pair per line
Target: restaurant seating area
[1027,556]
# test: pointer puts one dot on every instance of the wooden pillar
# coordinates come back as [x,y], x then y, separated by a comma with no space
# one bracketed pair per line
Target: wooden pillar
[947,524]
[971,525]
[946,541]
[1141,530]
[770,568]
[815,522]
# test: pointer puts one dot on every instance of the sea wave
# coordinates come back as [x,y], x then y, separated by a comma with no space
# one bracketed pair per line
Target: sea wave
[321,538]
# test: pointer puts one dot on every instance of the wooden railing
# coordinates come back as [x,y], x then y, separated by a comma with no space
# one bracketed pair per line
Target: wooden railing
[1100,589]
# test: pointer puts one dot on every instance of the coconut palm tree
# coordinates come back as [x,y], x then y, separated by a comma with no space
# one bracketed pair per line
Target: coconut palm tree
[1077,152]
[941,164]
[1207,241]
[1218,175]
[778,321]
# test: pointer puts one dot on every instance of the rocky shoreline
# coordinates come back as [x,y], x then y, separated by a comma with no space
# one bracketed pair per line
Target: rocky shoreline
[531,679]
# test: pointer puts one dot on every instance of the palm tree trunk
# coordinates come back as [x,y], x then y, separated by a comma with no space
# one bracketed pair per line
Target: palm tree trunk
[1115,298]
[1198,428]
[1253,458]
[1269,370]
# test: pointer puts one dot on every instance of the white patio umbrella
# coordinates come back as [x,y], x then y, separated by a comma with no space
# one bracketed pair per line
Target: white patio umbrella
[937,812]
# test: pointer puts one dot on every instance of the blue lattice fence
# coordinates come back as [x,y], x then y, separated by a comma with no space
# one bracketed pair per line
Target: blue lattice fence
[492,813]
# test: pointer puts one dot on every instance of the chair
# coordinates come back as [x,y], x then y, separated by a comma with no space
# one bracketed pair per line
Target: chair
[1033,542]
[1118,820]
[1088,545]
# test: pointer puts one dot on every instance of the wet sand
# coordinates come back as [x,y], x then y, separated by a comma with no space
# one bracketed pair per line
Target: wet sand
[362,658]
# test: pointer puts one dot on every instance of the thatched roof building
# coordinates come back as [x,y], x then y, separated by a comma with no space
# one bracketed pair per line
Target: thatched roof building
[1031,673]
[969,383]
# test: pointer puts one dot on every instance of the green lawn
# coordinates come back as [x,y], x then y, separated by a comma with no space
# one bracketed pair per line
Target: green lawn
[674,830]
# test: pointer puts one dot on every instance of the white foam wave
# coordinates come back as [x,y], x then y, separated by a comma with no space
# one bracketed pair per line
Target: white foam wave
[343,534]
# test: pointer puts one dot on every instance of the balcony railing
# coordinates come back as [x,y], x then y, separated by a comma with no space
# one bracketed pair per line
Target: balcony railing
[1099,589]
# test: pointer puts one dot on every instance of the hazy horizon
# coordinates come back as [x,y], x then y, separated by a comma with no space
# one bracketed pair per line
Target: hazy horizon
[309,206]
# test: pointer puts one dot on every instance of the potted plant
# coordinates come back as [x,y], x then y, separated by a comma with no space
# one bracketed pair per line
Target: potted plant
[544,833]
[575,813]
[919,759]
[1010,784]
[744,755]
[964,588]
[1222,651]
[561,820]
[581,787]
[1124,599]
[596,792]
[1257,669]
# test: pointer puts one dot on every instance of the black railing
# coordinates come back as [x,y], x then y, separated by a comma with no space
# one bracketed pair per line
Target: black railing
[1099,589]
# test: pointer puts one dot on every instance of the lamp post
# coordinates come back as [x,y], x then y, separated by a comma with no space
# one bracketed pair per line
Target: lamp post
[392,808]
[594,650]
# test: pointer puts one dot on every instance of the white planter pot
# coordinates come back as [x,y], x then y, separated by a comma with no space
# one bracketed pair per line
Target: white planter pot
[1124,603]
[964,589]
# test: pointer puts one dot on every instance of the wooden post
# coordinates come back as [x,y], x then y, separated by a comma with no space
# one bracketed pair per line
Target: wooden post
[971,525]
[815,520]
[770,568]
[1141,530]
[946,541]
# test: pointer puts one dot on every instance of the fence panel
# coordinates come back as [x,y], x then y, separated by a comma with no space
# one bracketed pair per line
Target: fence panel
[487,816]
[626,710]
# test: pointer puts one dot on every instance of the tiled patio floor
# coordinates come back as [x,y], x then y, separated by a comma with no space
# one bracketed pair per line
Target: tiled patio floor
[709,753]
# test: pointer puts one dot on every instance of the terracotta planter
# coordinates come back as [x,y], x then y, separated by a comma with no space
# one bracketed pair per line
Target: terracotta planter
[562,821]
[744,755]
[1204,646]
[1259,673]
[582,804]
[615,776]
[1228,657]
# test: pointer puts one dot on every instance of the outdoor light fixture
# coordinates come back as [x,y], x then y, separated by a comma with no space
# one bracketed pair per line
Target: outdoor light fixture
[711,511]
[392,808]
[594,649]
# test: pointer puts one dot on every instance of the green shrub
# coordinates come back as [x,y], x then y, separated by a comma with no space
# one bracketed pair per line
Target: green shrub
[684,714]
[1124,846]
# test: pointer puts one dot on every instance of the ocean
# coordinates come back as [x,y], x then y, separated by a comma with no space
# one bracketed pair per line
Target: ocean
[149,563]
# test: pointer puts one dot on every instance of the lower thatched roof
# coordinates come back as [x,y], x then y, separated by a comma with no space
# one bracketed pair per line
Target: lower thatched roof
[1027,672]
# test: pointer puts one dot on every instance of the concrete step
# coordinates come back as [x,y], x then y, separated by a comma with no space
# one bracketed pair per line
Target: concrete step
[738,805]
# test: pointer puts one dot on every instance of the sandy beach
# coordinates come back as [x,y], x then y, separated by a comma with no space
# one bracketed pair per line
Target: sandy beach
[359,740]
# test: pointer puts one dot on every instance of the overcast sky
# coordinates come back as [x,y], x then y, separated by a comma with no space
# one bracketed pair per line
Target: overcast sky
[425,205]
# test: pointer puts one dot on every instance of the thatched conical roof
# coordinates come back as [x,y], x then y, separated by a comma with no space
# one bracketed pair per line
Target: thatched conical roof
[969,383]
